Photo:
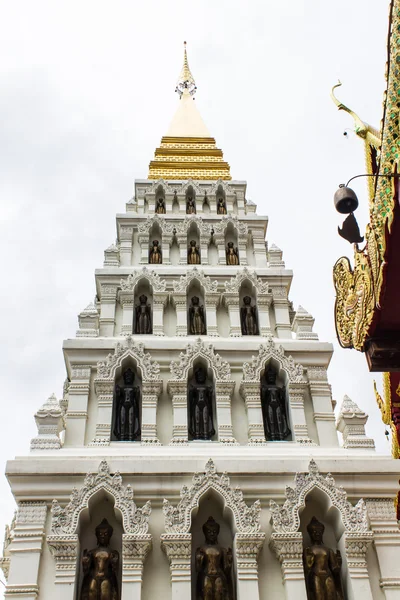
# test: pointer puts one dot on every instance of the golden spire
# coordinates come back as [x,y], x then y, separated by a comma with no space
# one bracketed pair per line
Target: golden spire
[188,150]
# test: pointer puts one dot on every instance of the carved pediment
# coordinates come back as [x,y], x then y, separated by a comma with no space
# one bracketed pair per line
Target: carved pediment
[149,368]
[268,350]
[233,286]
[183,283]
[128,284]
[220,368]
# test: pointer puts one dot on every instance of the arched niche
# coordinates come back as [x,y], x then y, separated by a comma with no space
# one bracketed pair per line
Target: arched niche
[127,365]
[213,256]
[170,319]
[175,203]
[190,200]
[200,364]
[160,206]
[193,235]
[247,290]
[231,237]
[196,309]
[155,234]
[212,504]
[174,252]
[220,199]
[206,208]
[276,415]
[143,310]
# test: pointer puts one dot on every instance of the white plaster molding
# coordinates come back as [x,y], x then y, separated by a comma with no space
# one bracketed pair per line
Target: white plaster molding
[181,285]
[179,519]
[165,225]
[351,423]
[89,322]
[233,285]
[224,185]
[135,520]
[111,256]
[221,369]
[303,324]
[149,368]
[153,188]
[194,184]
[286,518]
[268,350]
[158,285]
[183,226]
[50,422]
[240,227]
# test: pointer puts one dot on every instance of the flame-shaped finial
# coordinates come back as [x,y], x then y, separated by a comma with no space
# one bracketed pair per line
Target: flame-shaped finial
[186,83]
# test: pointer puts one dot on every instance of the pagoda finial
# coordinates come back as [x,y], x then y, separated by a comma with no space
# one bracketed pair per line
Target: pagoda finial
[186,83]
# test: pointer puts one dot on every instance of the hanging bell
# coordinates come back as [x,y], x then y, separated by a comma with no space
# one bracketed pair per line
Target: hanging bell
[345,200]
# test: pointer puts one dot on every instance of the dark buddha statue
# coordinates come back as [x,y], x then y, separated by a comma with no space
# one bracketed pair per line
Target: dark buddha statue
[201,425]
[213,566]
[193,253]
[190,206]
[321,566]
[127,407]
[143,316]
[273,404]
[221,206]
[232,254]
[160,206]
[155,256]
[197,324]
[100,567]
[248,317]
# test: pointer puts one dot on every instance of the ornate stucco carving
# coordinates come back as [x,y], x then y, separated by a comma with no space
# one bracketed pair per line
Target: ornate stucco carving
[128,284]
[193,184]
[233,285]
[220,183]
[220,368]
[50,422]
[135,520]
[183,226]
[165,225]
[240,227]
[157,184]
[179,519]
[106,369]
[286,518]
[183,283]
[268,349]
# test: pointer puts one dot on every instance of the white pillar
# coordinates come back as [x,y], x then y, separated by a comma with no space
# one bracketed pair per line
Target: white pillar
[165,246]
[143,240]
[250,391]
[78,398]
[260,251]
[183,249]
[242,247]
[298,415]
[159,302]
[135,549]
[125,247]
[281,308]
[180,302]
[108,299]
[104,394]
[177,389]
[219,240]
[211,301]
[232,302]
[223,394]
[204,242]
[247,550]
[288,547]
[151,391]
[263,304]
[321,396]
[25,550]
[65,552]
[382,517]
[358,585]
[178,548]
[126,301]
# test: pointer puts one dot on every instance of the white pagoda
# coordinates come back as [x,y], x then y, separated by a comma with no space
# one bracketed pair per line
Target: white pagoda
[210,297]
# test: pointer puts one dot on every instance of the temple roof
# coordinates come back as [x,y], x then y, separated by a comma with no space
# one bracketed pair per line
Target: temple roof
[188,150]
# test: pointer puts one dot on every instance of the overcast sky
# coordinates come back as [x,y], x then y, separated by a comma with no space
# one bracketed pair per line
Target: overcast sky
[87,91]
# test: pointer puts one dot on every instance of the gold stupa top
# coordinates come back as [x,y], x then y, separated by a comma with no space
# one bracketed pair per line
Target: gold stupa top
[188,150]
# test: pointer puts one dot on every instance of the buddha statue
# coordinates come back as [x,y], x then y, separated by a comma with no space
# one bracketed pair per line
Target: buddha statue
[273,405]
[160,206]
[193,253]
[232,254]
[127,407]
[155,256]
[100,567]
[197,324]
[143,316]
[213,566]
[221,206]
[200,407]
[248,317]
[190,206]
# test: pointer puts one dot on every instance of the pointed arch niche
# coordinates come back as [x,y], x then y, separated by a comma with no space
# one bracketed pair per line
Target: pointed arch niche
[160,196]
[195,284]
[289,373]
[346,529]
[247,283]
[231,229]
[109,372]
[239,523]
[73,526]
[218,370]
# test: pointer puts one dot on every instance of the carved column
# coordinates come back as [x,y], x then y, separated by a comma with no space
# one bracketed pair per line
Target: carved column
[178,392]
[178,548]
[260,251]
[151,202]
[204,241]
[263,304]
[296,405]
[165,246]
[242,246]
[356,545]
[288,547]
[151,391]
[212,301]
[77,405]
[219,240]
[180,302]
[135,549]
[283,327]
[223,393]
[126,301]
[169,200]
[232,302]
[321,396]
[104,393]
[159,302]
[247,549]
[25,550]
[250,391]
[183,249]
[108,299]
[382,517]
[125,246]
[64,549]
[143,240]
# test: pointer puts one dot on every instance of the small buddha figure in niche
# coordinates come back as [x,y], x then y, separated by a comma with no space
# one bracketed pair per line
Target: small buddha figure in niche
[160,206]
[273,404]
[221,206]
[201,425]
[155,256]
[143,316]
[127,406]
[248,317]
[321,566]
[190,206]
[214,566]
[232,254]
[197,324]
[193,253]
[100,567]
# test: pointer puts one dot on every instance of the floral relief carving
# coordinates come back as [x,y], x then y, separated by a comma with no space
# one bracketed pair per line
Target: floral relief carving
[240,227]
[178,519]
[193,184]
[286,518]
[183,226]
[220,183]
[221,368]
[268,349]
[106,369]
[183,283]
[165,225]
[160,183]
[233,286]
[135,520]
[158,284]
